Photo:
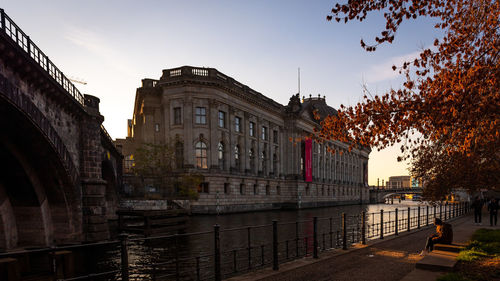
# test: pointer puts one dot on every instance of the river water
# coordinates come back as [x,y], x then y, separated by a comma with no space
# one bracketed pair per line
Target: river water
[246,240]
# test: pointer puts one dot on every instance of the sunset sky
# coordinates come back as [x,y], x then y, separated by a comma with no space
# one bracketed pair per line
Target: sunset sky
[112,45]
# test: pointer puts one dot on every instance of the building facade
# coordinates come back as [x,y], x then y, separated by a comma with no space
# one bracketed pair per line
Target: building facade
[399,182]
[247,146]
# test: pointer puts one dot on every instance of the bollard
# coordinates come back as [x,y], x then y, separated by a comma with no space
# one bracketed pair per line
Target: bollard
[275,245]
[427,215]
[396,226]
[124,256]
[363,228]
[418,219]
[382,224]
[315,237]
[344,233]
[409,224]
[217,268]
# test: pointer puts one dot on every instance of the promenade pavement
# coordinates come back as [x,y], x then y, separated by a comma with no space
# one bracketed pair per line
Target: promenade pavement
[390,259]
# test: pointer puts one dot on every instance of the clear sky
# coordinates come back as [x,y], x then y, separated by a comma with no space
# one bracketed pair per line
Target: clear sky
[113,44]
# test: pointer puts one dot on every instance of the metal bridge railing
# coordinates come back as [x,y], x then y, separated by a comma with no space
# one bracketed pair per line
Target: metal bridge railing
[12,30]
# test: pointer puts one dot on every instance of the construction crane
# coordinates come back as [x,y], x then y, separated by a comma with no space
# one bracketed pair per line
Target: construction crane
[77,80]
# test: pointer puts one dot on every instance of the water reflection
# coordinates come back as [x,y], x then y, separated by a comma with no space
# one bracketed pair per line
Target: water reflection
[246,240]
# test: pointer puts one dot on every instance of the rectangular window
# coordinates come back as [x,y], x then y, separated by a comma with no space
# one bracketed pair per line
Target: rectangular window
[237,124]
[255,189]
[226,188]
[242,188]
[203,187]
[177,116]
[275,136]
[200,115]
[252,129]
[157,127]
[222,119]
[264,133]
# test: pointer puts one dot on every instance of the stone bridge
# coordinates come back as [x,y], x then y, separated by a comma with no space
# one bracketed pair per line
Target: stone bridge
[379,195]
[59,170]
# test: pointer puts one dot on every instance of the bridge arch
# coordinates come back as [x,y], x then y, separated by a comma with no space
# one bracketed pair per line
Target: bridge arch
[39,199]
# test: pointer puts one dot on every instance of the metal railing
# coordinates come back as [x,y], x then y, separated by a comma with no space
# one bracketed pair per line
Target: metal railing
[23,41]
[228,252]
[12,30]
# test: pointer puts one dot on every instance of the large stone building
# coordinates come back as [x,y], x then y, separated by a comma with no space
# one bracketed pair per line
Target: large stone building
[240,141]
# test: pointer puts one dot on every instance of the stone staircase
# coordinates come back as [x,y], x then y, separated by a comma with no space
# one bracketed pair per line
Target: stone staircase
[436,263]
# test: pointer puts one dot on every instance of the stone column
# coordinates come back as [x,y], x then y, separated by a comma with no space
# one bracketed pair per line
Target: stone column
[95,224]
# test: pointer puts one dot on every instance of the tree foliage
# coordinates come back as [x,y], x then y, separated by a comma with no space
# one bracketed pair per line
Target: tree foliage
[449,103]
[155,164]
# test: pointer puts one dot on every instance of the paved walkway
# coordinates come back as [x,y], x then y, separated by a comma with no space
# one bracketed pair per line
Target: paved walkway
[389,259]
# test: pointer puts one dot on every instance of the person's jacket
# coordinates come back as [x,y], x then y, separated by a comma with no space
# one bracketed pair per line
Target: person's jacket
[493,207]
[444,233]
[477,205]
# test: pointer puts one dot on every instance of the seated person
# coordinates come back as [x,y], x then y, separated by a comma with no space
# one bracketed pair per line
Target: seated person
[443,235]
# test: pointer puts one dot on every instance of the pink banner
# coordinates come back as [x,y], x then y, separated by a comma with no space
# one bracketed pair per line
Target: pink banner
[308,160]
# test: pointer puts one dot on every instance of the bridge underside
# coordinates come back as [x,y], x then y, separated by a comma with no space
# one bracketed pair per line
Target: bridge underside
[39,204]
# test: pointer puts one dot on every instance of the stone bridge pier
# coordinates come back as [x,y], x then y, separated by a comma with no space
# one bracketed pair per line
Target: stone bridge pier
[59,170]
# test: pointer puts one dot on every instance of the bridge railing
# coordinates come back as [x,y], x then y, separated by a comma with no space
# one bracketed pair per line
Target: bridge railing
[12,30]
[221,253]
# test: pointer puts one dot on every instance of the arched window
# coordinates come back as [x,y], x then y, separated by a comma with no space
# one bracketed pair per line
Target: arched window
[263,159]
[251,156]
[220,149]
[201,155]
[237,156]
[275,164]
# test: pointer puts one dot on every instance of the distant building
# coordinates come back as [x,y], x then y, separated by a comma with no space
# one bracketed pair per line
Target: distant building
[240,141]
[399,182]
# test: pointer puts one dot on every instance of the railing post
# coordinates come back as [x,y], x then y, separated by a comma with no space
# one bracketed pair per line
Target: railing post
[427,215]
[275,245]
[315,237]
[217,269]
[198,268]
[2,14]
[382,224]
[396,223]
[28,40]
[363,228]
[249,243]
[344,233]
[331,233]
[177,266]
[297,239]
[418,219]
[445,210]
[409,219]
[434,211]
[450,206]
[441,211]
[124,256]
